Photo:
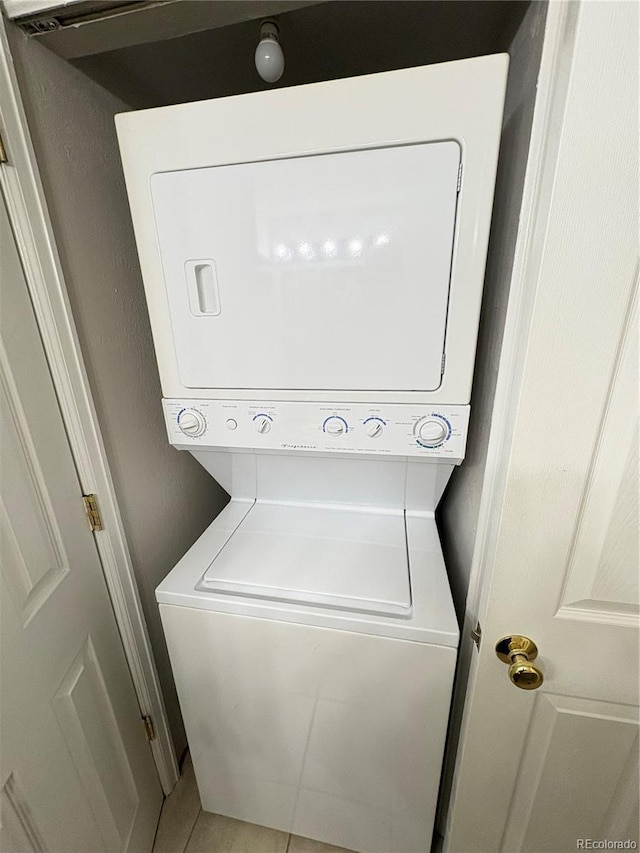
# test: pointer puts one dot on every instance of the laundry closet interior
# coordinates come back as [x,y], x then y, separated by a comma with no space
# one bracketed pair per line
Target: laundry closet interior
[76,78]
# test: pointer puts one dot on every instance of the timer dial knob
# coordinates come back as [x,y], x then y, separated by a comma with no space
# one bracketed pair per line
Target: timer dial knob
[431,431]
[262,424]
[192,422]
[335,426]
[374,429]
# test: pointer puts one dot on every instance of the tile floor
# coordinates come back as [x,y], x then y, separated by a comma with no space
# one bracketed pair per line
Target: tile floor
[185,828]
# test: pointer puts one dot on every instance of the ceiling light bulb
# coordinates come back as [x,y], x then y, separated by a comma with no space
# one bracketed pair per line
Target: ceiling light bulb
[269,56]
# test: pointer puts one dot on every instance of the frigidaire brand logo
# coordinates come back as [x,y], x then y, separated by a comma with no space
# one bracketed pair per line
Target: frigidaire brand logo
[299,446]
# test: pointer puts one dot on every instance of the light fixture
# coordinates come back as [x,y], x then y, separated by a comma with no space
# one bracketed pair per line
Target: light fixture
[269,56]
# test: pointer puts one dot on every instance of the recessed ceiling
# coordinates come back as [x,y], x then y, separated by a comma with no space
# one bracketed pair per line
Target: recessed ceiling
[321,41]
[85,27]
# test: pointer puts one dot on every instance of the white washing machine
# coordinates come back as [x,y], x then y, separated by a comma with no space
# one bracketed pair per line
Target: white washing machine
[313,260]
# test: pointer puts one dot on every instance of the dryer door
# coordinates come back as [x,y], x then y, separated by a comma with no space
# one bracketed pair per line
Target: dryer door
[324,272]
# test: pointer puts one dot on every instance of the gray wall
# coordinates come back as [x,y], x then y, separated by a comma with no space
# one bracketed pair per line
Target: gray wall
[458,513]
[165,497]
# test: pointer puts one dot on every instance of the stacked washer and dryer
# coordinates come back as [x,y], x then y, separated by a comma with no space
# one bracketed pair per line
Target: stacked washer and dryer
[313,259]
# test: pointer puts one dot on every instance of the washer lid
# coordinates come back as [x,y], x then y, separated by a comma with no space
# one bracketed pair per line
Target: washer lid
[350,559]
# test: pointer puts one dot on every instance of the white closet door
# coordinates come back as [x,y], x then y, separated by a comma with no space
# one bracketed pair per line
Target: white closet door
[556,768]
[76,771]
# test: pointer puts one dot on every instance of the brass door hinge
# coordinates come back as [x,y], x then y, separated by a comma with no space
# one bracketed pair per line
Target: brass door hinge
[476,635]
[3,151]
[93,513]
[149,728]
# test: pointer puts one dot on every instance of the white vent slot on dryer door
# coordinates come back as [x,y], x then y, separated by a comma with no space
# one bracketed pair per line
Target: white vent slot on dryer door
[202,286]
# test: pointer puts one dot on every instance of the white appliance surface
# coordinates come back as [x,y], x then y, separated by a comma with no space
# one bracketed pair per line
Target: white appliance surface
[373,482]
[344,558]
[328,734]
[324,242]
[275,592]
[333,268]
[428,432]
[307,708]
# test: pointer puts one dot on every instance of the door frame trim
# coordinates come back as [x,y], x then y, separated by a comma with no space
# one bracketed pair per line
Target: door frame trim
[546,132]
[26,204]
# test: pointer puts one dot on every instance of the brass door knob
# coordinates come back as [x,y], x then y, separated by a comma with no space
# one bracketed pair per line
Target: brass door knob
[518,652]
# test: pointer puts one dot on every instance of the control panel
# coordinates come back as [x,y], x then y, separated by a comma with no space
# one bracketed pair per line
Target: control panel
[390,430]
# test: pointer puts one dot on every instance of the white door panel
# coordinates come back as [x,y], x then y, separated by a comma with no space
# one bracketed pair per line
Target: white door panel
[18,832]
[571,741]
[76,771]
[598,579]
[560,764]
[87,718]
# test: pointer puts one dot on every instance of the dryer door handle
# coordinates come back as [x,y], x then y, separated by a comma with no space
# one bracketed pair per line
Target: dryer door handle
[202,288]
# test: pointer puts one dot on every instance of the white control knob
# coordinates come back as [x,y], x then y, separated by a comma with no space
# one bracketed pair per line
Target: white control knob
[431,431]
[192,422]
[374,429]
[263,425]
[335,426]
[232,423]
